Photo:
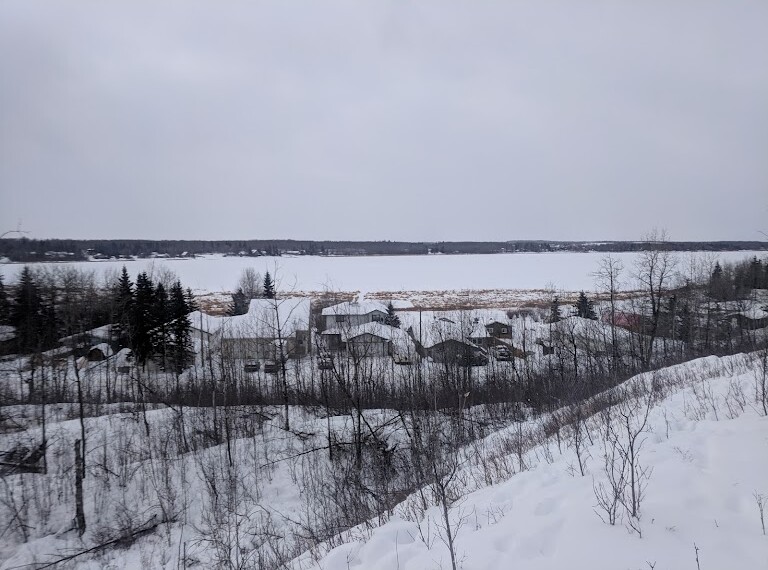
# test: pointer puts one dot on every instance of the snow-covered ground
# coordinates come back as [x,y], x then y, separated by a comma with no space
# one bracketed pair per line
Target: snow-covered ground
[705,446]
[706,451]
[568,271]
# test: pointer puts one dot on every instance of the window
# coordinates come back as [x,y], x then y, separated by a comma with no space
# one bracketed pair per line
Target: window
[503,330]
[376,317]
[341,318]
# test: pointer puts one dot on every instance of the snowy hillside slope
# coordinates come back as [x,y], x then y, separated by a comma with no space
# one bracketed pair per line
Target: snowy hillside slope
[517,497]
[705,449]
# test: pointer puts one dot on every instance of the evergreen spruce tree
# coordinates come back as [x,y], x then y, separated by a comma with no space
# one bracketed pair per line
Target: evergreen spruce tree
[269,287]
[160,316]
[585,308]
[27,314]
[142,318]
[180,328]
[123,312]
[717,283]
[392,319]
[239,304]
[190,299]
[5,305]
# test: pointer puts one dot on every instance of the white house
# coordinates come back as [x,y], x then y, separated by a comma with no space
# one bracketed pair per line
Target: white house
[354,313]
[270,328]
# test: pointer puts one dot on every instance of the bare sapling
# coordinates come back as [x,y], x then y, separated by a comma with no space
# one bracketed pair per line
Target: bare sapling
[761,501]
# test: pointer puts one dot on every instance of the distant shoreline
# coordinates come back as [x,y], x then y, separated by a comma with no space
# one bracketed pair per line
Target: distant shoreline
[22,250]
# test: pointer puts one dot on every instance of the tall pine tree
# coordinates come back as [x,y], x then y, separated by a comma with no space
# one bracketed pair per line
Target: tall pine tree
[392,319]
[143,320]
[269,287]
[160,317]
[585,308]
[180,328]
[239,304]
[26,313]
[5,305]
[122,307]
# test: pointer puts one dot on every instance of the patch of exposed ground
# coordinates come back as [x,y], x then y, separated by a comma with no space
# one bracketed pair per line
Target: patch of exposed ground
[218,303]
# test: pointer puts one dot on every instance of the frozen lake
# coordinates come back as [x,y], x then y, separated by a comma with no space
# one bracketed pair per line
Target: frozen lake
[567,271]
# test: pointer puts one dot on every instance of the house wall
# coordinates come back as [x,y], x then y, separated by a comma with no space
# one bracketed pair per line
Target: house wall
[499,330]
[368,345]
[450,351]
[248,348]
[264,348]
[333,342]
[339,321]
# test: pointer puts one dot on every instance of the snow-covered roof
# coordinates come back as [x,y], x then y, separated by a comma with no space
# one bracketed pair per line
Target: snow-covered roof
[124,357]
[207,323]
[433,327]
[401,341]
[373,328]
[266,316]
[101,333]
[355,308]
[755,313]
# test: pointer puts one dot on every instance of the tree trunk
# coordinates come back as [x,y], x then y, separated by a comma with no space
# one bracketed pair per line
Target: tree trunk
[79,470]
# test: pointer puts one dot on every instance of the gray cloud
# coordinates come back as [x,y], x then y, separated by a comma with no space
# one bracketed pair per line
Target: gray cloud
[388,120]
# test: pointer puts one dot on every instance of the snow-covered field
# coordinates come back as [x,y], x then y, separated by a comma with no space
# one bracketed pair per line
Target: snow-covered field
[567,271]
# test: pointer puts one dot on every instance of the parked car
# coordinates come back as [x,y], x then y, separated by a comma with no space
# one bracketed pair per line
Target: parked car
[271,367]
[502,353]
[252,366]
[402,360]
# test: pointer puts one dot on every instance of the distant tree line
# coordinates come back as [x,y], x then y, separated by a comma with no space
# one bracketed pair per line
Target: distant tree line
[23,249]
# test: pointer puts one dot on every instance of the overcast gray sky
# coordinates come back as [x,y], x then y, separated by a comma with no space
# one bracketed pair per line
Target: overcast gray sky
[401,120]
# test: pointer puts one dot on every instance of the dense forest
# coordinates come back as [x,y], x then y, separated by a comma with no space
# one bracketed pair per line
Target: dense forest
[24,249]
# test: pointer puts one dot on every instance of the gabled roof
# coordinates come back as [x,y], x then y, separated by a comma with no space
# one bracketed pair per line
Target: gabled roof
[355,308]
[433,327]
[206,323]
[376,329]
[265,317]
[401,341]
